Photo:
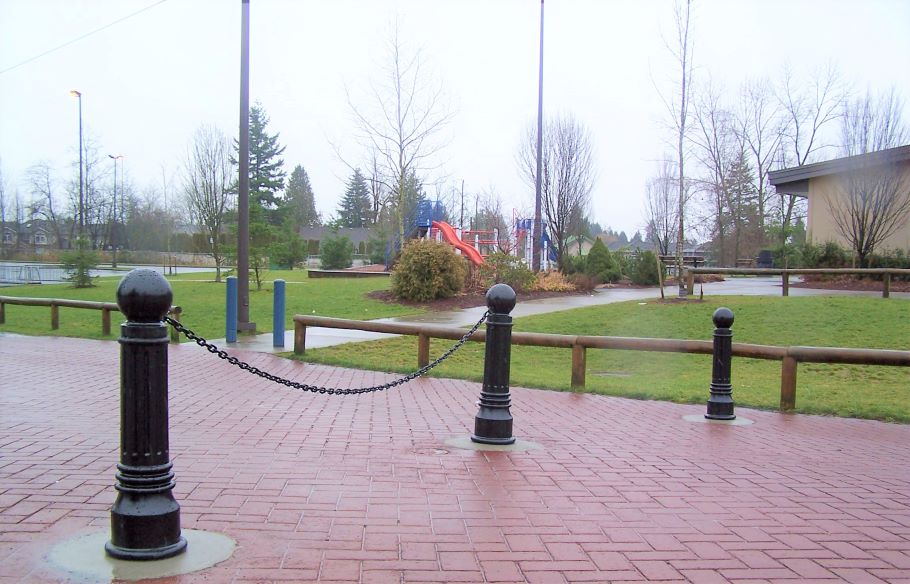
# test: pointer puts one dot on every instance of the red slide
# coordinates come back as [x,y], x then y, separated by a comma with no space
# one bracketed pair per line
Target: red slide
[448,233]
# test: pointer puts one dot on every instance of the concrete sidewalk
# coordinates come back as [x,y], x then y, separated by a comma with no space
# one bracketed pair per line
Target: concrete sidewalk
[368,489]
[324,337]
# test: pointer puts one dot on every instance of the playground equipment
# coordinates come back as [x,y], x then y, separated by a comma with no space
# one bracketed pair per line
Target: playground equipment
[474,244]
[448,233]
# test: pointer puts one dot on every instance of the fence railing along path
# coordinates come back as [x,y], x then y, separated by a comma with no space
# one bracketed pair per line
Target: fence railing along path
[885,273]
[790,357]
[56,303]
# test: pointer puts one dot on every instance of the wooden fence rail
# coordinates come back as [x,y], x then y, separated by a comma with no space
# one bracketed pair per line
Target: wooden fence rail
[55,303]
[886,274]
[789,356]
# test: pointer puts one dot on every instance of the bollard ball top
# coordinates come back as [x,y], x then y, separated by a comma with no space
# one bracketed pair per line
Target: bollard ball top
[144,296]
[501,298]
[723,317]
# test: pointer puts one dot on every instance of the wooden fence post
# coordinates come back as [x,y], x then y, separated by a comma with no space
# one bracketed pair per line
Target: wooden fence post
[690,286]
[105,322]
[788,384]
[299,338]
[886,291]
[55,317]
[423,350]
[2,313]
[579,361]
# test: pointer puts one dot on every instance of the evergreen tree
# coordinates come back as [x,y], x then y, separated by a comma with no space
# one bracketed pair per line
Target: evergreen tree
[356,206]
[412,193]
[266,166]
[300,204]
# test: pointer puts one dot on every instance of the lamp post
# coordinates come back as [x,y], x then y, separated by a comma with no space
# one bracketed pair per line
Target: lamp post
[537,230]
[78,94]
[243,195]
[114,213]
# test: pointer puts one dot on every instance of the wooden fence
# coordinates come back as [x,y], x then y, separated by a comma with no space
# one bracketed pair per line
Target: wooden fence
[790,357]
[886,274]
[55,303]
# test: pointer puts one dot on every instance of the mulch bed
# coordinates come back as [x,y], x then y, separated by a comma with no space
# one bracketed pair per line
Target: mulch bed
[848,283]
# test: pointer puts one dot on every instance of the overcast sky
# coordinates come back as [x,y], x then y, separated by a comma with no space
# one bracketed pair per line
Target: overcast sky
[150,80]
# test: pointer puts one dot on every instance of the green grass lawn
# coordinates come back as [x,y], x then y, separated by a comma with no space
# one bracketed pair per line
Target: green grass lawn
[844,390]
[203,303]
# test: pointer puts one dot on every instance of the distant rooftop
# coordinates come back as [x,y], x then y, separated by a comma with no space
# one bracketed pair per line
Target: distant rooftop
[795,180]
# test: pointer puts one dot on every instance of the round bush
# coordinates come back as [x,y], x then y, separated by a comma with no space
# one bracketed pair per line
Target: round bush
[428,270]
[502,268]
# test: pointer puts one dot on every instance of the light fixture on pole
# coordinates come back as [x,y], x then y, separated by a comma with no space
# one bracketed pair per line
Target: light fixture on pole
[114,213]
[78,94]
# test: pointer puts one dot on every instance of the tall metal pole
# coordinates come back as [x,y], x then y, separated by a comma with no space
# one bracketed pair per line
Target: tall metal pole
[114,213]
[461,222]
[243,203]
[78,95]
[538,228]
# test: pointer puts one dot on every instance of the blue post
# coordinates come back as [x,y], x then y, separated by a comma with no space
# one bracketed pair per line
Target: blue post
[278,315]
[230,319]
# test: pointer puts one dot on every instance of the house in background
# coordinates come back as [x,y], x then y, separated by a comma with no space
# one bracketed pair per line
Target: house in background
[823,185]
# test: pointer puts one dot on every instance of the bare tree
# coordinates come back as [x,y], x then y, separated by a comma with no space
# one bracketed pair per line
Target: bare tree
[681,47]
[402,122]
[759,126]
[44,203]
[661,208]
[875,192]
[714,146]
[491,217]
[871,123]
[807,109]
[568,175]
[4,209]
[207,184]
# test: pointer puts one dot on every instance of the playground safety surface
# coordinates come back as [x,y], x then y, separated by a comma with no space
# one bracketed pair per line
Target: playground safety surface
[326,489]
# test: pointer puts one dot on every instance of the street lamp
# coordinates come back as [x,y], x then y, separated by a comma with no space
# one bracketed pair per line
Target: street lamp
[78,94]
[114,213]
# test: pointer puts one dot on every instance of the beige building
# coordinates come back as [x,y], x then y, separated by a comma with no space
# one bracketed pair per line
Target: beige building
[825,186]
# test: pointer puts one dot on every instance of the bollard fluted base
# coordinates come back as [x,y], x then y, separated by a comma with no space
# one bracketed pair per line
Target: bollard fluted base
[720,406]
[145,554]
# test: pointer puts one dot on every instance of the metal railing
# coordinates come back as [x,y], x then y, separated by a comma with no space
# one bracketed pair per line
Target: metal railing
[790,357]
[886,274]
[31,273]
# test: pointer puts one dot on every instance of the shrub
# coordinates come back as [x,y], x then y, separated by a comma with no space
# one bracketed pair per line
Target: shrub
[573,264]
[552,282]
[428,270]
[502,268]
[376,246]
[583,282]
[828,255]
[644,269]
[625,261]
[890,259]
[601,265]
[336,252]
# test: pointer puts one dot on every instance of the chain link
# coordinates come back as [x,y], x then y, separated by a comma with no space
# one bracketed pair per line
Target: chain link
[222,354]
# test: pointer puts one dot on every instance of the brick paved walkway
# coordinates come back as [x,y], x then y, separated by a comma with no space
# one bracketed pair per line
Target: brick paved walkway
[326,489]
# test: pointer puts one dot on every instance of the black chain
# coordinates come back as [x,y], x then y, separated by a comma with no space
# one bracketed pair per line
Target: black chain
[211,348]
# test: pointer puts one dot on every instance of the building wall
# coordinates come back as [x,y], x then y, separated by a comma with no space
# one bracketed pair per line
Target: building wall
[821,227]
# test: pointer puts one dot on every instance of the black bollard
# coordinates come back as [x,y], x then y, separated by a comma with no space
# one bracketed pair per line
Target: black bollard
[145,518]
[493,422]
[720,404]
